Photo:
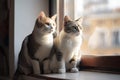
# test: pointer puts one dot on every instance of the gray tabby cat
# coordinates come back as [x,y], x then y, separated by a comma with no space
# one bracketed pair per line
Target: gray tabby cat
[37,46]
[67,47]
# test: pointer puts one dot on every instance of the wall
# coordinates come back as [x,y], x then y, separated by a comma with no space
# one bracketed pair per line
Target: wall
[26,11]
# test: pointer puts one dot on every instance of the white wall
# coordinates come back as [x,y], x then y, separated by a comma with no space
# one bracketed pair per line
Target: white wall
[26,11]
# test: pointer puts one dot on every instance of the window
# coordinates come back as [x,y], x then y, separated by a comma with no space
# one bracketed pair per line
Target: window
[101,17]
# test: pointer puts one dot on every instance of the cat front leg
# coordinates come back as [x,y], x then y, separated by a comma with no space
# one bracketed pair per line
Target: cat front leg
[60,63]
[36,66]
[73,64]
[46,66]
[61,67]
[74,68]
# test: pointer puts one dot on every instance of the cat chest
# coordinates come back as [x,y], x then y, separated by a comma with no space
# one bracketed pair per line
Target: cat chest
[68,45]
[44,50]
[69,48]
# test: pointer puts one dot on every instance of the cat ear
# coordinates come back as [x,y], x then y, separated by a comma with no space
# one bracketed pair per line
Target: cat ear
[80,20]
[42,16]
[66,19]
[54,17]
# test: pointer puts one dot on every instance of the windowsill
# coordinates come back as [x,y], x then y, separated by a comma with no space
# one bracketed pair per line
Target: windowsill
[82,75]
[104,63]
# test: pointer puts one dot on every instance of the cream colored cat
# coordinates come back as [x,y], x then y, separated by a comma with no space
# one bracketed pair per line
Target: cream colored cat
[67,47]
[37,46]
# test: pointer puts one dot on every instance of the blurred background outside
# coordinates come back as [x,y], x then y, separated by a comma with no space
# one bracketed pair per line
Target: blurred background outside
[101,25]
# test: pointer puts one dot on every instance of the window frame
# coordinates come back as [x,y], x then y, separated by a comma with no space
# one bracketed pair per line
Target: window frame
[11,38]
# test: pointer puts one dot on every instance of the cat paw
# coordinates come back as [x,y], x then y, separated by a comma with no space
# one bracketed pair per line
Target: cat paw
[61,71]
[74,70]
[47,71]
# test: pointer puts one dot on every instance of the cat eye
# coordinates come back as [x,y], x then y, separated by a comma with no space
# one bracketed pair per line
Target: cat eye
[75,27]
[47,23]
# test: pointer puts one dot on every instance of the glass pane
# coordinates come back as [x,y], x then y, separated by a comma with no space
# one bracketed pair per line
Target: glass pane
[101,25]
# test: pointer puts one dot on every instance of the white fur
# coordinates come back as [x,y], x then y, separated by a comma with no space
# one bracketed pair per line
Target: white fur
[47,42]
[69,45]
